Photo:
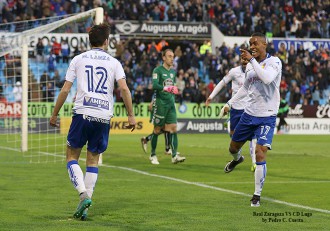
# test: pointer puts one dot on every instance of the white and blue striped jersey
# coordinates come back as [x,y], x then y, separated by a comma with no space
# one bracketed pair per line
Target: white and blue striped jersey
[237,76]
[262,82]
[96,72]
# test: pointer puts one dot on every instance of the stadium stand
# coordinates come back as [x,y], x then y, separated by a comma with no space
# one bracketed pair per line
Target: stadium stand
[306,77]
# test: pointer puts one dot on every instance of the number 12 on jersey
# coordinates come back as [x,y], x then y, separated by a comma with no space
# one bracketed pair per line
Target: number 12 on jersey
[101,75]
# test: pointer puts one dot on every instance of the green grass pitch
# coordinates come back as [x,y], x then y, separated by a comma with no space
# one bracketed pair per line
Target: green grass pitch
[132,194]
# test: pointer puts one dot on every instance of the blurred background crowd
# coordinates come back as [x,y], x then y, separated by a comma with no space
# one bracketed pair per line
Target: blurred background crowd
[305,77]
[282,18]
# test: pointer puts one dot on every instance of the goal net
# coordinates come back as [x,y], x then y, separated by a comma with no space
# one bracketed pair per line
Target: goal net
[34,57]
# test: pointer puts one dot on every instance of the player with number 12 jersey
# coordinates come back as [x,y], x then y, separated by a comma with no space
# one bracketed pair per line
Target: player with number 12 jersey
[96,72]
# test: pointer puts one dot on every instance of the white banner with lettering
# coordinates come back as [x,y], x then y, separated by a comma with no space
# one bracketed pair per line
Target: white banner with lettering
[307,126]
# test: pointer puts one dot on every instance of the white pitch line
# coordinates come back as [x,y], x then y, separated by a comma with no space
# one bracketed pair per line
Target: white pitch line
[269,182]
[218,189]
[201,185]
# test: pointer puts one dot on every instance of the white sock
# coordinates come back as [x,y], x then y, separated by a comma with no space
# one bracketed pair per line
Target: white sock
[90,180]
[259,177]
[76,176]
[253,144]
[237,155]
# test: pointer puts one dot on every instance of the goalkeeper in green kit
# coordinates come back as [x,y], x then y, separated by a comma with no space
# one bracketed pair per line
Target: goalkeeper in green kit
[164,112]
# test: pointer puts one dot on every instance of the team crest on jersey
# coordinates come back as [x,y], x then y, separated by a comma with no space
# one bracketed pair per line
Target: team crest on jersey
[94,102]
[263,65]
[154,75]
[168,82]
[171,75]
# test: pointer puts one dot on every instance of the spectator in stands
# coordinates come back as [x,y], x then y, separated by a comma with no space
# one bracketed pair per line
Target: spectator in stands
[47,51]
[205,47]
[40,50]
[314,28]
[76,51]
[282,52]
[292,55]
[300,19]
[294,26]
[51,62]
[61,11]
[307,19]
[7,15]
[172,14]
[321,82]
[11,71]
[65,50]
[49,93]
[152,47]
[139,94]
[56,50]
[46,8]
[3,3]
[58,81]
[295,95]
[160,46]
[188,93]
[180,83]
[148,93]
[44,79]
[308,97]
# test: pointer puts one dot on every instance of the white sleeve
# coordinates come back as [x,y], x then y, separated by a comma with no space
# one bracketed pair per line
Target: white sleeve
[217,89]
[71,72]
[119,72]
[269,73]
[229,77]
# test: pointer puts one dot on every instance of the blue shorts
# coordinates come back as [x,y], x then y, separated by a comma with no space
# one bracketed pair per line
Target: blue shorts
[86,128]
[261,128]
[235,116]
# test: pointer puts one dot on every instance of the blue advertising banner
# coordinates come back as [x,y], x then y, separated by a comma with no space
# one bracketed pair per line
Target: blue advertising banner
[307,44]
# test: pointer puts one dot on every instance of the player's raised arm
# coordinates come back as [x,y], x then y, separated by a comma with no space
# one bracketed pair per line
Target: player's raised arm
[266,74]
[269,73]
[215,91]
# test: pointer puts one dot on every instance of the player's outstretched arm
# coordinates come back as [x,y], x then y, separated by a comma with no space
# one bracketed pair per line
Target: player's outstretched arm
[59,103]
[208,101]
[127,98]
[215,91]
[267,74]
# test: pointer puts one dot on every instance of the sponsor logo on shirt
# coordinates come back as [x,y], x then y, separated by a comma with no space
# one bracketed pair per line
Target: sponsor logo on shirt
[94,102]
[254,80]
[168,82]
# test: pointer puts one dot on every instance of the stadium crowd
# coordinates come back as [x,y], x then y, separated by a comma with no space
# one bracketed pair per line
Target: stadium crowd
[306,77]
[282,18]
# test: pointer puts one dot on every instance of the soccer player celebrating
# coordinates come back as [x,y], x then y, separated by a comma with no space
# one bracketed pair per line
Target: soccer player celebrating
[96,72]
[164,112]
[236,75]
[262,81]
